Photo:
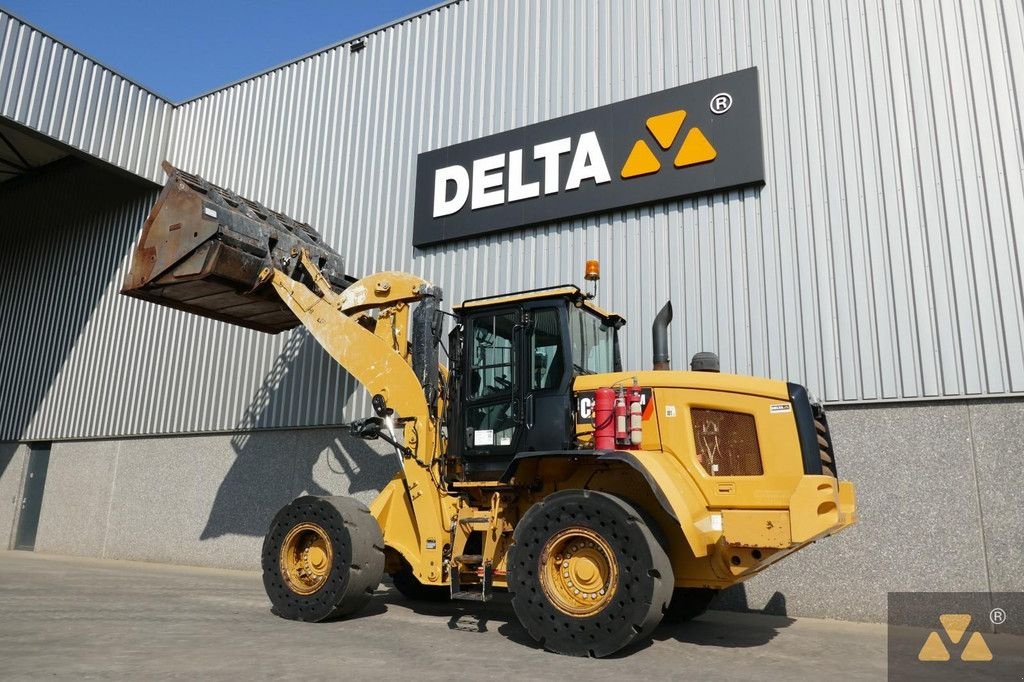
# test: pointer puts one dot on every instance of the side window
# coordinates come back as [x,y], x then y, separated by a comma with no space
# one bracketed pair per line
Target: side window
[490,411]
[546,350]
[491,368]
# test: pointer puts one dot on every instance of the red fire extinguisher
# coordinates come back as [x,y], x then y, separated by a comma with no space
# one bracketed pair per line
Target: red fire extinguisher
[604,419]
[636,416]
[621,422]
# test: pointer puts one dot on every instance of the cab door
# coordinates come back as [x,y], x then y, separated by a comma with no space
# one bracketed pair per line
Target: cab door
[492,390]
[547,378]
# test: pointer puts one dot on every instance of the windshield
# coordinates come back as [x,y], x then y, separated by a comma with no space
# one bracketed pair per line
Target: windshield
[593,343]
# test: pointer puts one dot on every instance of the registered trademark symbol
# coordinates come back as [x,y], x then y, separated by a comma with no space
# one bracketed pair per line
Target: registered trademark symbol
[721,103]
[997,616]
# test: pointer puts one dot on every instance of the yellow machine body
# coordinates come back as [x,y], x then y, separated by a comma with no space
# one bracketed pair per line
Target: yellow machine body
[719,530]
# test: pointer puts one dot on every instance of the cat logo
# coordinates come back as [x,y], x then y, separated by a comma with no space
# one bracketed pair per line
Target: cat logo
[955,626]
[665,128]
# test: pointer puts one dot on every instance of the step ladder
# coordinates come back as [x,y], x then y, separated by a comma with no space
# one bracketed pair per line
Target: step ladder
[482,591]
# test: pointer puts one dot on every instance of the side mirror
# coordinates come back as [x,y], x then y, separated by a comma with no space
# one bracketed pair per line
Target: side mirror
[437,323]
[367,429]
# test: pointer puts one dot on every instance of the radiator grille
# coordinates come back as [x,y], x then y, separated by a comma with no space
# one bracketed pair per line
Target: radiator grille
[828,460]
[726,443]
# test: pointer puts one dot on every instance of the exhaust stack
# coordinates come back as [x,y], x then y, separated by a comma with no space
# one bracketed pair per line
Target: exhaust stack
[659,333]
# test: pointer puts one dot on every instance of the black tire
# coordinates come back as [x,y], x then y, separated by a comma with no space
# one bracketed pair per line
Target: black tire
[688,603]
[640,594]
[355,569]
[828,466]
[412,589]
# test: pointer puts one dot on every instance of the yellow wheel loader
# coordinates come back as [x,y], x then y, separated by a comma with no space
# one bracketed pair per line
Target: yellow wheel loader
[602,499]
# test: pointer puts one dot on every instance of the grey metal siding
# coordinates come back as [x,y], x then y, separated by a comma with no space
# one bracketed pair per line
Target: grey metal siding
[881,261]
[55,90]
[78,360]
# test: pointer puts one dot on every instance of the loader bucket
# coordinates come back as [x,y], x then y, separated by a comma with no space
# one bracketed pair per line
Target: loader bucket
[203,247]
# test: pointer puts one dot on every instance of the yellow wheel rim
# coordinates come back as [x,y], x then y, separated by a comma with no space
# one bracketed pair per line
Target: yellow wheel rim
[578,571]
[306,558]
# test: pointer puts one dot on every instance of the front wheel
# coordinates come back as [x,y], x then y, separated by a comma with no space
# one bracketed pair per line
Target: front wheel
[586,574]
[322,558]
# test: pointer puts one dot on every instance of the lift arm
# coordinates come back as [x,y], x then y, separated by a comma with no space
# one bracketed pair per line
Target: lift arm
[210,252]
[374,352]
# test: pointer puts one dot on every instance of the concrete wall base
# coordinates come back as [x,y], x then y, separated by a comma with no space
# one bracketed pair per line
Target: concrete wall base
[13,457]
[939,499]
[200,500]
[938,494]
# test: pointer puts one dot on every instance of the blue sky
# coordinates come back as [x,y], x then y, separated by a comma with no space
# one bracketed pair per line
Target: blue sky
[182,48]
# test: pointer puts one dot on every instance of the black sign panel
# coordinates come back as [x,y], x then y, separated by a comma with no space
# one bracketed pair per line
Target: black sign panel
[692,139]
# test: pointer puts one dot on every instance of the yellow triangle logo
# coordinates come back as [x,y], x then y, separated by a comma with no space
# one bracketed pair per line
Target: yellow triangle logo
[665,127]
[696,149]
[955,625]
[641,161]
[933,649]
[976,649]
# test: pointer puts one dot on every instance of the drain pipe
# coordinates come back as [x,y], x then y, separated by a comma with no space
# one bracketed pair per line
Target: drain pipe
[659,332]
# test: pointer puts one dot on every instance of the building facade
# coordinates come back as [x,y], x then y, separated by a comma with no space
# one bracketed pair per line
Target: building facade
[879,263]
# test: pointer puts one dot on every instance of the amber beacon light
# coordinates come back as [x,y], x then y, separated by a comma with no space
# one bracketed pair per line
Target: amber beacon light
[592,273]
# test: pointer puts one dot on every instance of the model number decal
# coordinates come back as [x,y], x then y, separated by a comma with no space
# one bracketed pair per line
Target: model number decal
[585,405]
[779,408]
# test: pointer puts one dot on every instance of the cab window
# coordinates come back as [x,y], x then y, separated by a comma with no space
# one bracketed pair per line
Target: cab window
[491,369]
[593,343]
[546,350]
[490,407]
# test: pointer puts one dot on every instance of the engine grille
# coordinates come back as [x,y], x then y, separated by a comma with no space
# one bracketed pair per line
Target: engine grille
[726,443]
[828,460]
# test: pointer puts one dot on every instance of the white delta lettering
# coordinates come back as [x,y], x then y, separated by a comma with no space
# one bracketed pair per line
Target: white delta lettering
[498,179]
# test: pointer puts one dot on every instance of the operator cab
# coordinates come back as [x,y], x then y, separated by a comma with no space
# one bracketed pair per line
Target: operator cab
[513,362]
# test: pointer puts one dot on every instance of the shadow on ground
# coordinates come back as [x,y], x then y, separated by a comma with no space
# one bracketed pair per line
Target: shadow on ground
[712,630]
[737,632]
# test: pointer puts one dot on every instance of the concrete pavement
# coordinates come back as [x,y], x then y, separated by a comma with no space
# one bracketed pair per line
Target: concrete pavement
[63,617]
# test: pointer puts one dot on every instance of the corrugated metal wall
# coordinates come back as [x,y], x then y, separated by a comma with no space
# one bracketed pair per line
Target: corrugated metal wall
[881,260]
[118,366]
[55,90]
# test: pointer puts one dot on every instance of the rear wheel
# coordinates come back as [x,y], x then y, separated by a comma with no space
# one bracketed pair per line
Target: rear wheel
[688,603]
[586,574]
[322,558]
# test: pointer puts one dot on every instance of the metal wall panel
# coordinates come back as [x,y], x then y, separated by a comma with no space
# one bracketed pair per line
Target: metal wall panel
[881,261]
[79,360]
[55,90]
